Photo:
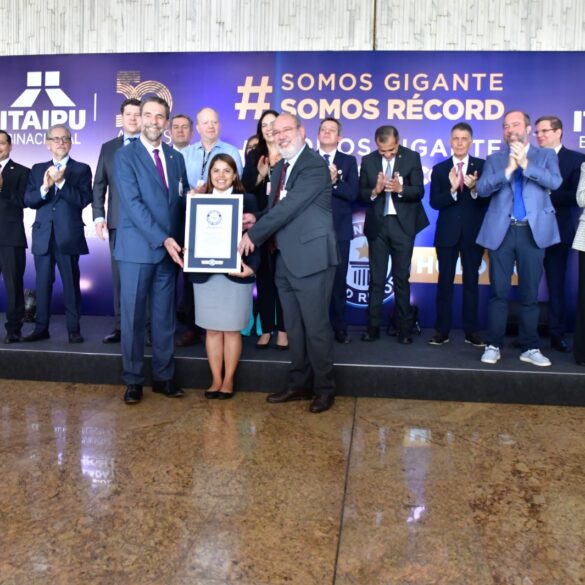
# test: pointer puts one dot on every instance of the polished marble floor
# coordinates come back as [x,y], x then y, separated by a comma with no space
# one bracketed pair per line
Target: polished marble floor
[373,492]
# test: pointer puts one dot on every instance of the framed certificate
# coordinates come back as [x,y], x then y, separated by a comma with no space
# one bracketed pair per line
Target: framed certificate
[212,232]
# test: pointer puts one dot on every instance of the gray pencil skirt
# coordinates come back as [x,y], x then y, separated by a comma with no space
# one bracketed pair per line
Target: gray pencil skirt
[222,305]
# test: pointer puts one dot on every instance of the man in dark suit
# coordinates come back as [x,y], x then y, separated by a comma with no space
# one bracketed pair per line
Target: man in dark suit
[519,224]
[461,211]
[13,180]
[103,183]
[59,190]
[392,184]
[151,180]
[299,218]
[344,178]
[549,134]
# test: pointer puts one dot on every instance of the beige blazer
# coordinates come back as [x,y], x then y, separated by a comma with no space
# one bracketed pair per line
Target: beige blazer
[579,241]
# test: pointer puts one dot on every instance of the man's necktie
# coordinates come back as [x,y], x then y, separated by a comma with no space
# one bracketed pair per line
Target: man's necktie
[272,245]
[159,168]
[389,208]
[327,157]
[131,139]
[519,209]
[460,176]
[58,167]
[281,183]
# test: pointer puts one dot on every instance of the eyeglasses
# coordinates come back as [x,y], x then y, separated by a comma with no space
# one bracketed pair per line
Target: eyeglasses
[284,131]
[63,139]
[544,131]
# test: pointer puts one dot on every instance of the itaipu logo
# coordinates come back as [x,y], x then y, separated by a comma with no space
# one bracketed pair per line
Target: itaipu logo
[23,116]
[358,272]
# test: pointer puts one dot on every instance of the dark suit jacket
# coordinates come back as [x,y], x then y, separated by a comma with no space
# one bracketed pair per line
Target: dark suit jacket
[461,218]
[302,221]
[103,183]
[252,260]
[149,214]
[410,212]
[564,198]
[15,179]
[60,212]
[345,192]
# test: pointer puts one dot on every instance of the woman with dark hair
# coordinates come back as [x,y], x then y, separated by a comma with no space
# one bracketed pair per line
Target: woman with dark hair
[256,178]
[223,301]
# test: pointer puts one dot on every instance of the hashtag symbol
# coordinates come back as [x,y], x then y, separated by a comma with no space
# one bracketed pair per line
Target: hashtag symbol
[259,91]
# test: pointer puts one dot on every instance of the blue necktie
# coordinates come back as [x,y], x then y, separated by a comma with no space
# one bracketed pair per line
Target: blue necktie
[326,157]
[58,166]
[519,209]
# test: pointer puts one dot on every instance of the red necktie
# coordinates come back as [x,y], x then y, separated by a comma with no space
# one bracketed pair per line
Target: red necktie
[272,246]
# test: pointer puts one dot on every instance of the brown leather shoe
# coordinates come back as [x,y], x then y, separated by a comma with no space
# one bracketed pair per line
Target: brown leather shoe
[289,395]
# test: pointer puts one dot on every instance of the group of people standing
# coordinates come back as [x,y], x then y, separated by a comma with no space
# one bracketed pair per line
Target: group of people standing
[519,205]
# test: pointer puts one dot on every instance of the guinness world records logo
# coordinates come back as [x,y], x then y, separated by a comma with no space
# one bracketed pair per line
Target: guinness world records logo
[358,271]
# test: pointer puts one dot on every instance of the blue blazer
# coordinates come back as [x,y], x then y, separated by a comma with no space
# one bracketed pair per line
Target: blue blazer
[149,214]
[60,212]
[459,219]
[564,198]
[540,177]
[345,192]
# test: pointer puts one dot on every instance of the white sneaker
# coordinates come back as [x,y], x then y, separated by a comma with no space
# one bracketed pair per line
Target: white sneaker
[534,357]
[491,355]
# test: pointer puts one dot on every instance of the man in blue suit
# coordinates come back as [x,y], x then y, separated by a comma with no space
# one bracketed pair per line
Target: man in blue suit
[344,178]
[549,133]
[59,190]
[461,211]
[151,180]
[519,224]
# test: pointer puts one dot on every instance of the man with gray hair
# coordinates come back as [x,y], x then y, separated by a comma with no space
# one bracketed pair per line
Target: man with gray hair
[59,190]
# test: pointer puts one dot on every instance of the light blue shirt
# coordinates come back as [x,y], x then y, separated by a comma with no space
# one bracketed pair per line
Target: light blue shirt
[197,160]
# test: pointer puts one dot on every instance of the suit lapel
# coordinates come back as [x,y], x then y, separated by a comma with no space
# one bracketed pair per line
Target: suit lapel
[172,178]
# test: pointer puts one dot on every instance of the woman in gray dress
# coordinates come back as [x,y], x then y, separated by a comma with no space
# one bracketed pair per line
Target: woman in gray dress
[223,302]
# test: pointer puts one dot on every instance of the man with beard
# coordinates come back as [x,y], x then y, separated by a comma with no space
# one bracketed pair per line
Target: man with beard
[151,180]
[299,224]
[519,224]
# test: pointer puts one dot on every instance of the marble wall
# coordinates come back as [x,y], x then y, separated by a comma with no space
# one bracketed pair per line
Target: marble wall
[30,27]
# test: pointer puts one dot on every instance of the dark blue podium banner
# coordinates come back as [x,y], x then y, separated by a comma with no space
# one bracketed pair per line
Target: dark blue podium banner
[422,94]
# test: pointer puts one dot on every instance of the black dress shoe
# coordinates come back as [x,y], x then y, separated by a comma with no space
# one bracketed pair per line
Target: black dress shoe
[188,338]
[341,336]
[404,339]
[168,388]
[288,396]
[225,395]
[114,337]
[372,334]
[279,347]
[559,344]
[475,339]
[263,345]
[75,338]
[321,404]
[439,339]
[133,393]
[13,338]
[37,336]
[211,394]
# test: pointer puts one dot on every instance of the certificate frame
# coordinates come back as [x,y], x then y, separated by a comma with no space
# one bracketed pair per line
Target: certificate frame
[213,229]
